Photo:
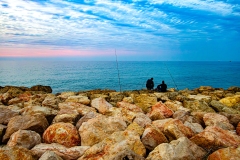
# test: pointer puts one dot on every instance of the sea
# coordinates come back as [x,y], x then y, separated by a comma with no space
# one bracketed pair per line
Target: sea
[118,75]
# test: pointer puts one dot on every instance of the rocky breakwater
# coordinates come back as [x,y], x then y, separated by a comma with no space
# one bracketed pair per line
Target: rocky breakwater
[203,123]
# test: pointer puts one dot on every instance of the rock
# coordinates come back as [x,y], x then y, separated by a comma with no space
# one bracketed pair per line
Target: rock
[175,129]
[175,105]
[66,118]
[135,128]
[37,123]
[79,99]
[142,119]
[35,100]
[197,106]
[180,149]
[199,117]
[129,106]
[214,137]
[218,106]
[152,137]
[181,115]
[6,114]
[234,119]
[65,153]
[195,127]
[214,119]
[238,129]
[111,146]
[145,101]
[64,95]
[15,153]
[234,89]
[160,111]
[5,97]
[50,155]
[2,131]
[127,154]
[24,138]
[51,101]
[96,129]
[46,89]
[115,97]
[159,124]
[63,133]
[85,118]
[31,110]
[231,101]
[229,153]
[101,105]
[200,97]
[205,89]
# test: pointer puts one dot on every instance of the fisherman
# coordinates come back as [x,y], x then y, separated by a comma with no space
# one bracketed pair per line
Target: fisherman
[162,87]
[150,84]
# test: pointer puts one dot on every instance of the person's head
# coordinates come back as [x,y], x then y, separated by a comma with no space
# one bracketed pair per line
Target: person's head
[151,78]
[162,82]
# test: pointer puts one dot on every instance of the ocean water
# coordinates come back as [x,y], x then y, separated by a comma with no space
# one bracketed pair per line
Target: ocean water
[123,75]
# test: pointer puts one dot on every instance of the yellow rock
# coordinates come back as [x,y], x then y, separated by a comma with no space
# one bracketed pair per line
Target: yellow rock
[231,101]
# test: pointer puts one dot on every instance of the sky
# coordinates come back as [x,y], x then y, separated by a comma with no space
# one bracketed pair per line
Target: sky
[134,30]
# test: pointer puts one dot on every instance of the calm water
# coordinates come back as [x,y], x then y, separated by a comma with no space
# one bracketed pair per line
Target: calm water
[82,75]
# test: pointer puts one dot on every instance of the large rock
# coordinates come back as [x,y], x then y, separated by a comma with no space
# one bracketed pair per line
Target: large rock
[175,129]
[15,153]
[159,124]
[65,153]
[229,153]
[101,105]
[6,114]
[37,123]
[197,106]
[233,118]
[214,137]
[24,138]
[51,101]
[31,110]
[220,107]
[142,119]
[214,119]
[79,99]
[195,127]
[145,101]
[180,149]
[46,89]
[111,146]
[129,106]
[63,133]
[160,111]
[85,118]
[231,101]
[96,129]
[152,137]
[50,155]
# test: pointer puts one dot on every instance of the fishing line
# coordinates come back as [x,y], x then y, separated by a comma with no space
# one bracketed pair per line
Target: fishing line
[171,76]
[118,73]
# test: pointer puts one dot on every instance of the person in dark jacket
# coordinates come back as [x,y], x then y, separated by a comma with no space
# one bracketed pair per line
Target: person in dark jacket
[162,87]
[150,84]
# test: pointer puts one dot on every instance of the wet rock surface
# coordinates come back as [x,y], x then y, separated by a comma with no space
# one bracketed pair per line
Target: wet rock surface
[203,123]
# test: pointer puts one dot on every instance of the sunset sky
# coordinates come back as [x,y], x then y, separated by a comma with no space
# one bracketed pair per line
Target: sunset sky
[137,29]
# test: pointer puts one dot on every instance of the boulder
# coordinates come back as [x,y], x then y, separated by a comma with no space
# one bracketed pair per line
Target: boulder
[195,127]
[101,105]
[142,119]
[159,111]
[129,106]
[234,119]
[220,107]
[127,154]
[24,138]
[238,129]
[64,95]
[145,101]
[197,106]
[214,119]
[152,137]
[175,129]
[15,153]
[135,128]
[159,124]
[79,99]
[6,114]
[96,129]
[66,118]
[63,133]
[229,153]
[65,153]
[35,109]
[51,101]
[46,89]
[111,146]
[85,118]
[213,137]
[231,101]
[50,155]
[180,149]
[200,97]
[37,123]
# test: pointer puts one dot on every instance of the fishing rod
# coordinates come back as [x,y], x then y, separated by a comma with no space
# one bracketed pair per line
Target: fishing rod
[118,73]
[171,76]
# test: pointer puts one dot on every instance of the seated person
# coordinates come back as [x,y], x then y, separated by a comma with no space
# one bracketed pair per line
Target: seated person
[162,87]
[150,84]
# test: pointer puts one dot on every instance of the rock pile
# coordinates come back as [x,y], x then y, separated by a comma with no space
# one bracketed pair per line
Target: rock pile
[203,123]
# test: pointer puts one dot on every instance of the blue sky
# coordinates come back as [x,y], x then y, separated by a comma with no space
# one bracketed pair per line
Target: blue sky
[137,29]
